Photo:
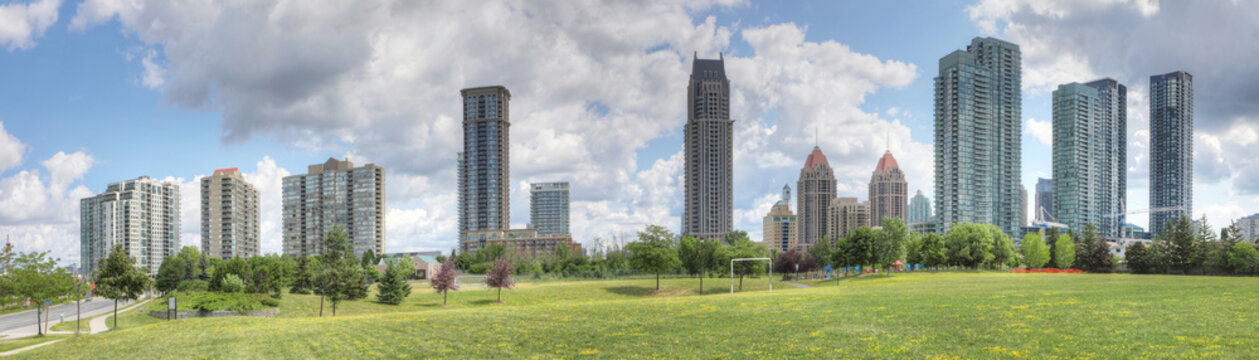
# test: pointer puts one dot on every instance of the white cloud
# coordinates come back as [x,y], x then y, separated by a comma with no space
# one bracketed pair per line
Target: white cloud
[21,23]
[1043,131]
[154,74]
[11,150]
[41,213]
[592,83]
[268,177]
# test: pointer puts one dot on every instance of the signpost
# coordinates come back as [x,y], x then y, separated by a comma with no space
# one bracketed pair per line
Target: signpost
[170,307]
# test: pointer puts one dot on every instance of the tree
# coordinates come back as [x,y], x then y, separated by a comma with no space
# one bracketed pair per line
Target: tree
[970,244]
[788,262]
[190,257]
[859,248]
[170,274]
[500,277]
[1182,250]
[267,275]
[913,250]
[305,276]
[444,280]
[35,277]
[204,265]
[1003,252]
[119,279]
[654,252]
[1093,254]
[1035,253]
[823,252]
[890,242]
[742,247]
[1064,252]
[232,284]
[1137,258]
[697,256]
[342,275]
[1219,253]
[393,287]
[933,250]
[1243,258]
[369,258]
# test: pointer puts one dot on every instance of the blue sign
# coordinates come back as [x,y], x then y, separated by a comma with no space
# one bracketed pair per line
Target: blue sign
[46,303]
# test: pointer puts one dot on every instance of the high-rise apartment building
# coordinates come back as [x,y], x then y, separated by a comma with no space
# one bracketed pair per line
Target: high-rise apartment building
[142,215]
[846,214]
[780,225]
[888,191]
[1250,227]
[1171,148]
[484,165]
[919,209]
[814,190]
[709,162]
[978,135]
[229,216]
[331,194]
[1044,199]
[548,207]
[1023,206]
[1090,154]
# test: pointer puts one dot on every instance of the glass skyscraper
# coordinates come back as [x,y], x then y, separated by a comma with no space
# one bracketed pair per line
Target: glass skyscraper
[484,164]
[1171,148]
[548,208]
[1090,154]
[1044,199]
[919,209]
[978,136]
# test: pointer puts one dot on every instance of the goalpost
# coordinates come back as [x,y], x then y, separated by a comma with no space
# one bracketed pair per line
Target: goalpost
[771,272]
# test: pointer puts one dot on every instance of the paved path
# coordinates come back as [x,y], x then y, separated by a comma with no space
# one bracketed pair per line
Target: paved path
[98,324]
[15,351]
[23,319]
[799,285]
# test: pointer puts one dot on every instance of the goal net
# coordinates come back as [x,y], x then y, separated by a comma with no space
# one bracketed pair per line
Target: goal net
[771,271]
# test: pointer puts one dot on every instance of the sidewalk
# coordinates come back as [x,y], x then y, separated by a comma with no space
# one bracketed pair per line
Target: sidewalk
[32,330]
[96,326]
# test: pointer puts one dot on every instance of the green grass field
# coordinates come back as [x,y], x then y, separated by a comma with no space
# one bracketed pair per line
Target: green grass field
[944,315]
[28,341]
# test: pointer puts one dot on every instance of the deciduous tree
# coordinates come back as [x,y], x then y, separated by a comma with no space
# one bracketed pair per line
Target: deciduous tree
[444,280]
[119,279]
[1064,252]
[1035,253]
[654,252]
[500,277]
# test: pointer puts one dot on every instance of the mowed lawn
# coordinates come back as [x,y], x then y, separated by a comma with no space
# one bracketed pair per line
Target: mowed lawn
[943,315]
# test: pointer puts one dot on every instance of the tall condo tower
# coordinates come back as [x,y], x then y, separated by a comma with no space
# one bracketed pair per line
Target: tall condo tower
[814,190]
[334,193]
[919,209]
[484,164]
[1090,154]
[888,191]
[142,215]
[978,135]
[229,216]
[1171,148]
[1044,199]
[709,152]
[548,207]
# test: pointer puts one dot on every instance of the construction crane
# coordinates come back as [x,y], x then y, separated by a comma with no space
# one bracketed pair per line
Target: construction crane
[1121,214]
[1047,224]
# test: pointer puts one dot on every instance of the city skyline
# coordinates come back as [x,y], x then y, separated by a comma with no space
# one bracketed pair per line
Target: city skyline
[797,78]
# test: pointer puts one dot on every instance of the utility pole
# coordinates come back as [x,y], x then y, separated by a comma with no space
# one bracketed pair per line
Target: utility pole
[78,304]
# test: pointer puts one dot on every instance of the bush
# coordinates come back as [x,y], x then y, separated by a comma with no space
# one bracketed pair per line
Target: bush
[193,285]
[480,268]
[232,284]
[217,301]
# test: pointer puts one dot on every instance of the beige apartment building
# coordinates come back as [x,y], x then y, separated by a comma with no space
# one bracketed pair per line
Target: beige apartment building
[780,225]
[846,215]
[140,214]
[229,216]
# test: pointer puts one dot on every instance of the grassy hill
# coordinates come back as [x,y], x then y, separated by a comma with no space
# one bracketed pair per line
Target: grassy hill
[945,315]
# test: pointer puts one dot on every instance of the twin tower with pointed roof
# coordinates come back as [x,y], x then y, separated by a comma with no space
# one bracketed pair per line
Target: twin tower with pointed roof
[822,215]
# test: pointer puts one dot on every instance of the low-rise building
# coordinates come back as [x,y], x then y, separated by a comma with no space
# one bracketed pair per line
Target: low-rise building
[526,242]
[423,265]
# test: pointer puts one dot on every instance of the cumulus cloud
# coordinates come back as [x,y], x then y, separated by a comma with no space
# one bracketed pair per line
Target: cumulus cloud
[41,211]
[268,178]
[21,23]
[592,83]
[11,150]
[1042,131]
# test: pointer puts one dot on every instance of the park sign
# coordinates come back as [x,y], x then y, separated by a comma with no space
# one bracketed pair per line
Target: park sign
[170,303]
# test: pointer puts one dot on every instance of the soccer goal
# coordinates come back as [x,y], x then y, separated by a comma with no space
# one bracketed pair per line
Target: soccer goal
[771,272]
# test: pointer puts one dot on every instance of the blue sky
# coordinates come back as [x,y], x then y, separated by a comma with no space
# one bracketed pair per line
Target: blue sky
[101,91]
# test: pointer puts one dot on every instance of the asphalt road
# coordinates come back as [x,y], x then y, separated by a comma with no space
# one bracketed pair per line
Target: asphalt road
[27,318]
